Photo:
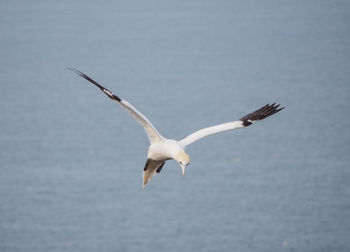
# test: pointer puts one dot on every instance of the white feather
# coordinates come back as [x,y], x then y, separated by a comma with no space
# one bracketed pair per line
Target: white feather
[210,131]
[162,149]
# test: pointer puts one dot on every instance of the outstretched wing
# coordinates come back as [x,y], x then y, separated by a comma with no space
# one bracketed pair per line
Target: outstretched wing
[245,121]
[151,167]
[151,131]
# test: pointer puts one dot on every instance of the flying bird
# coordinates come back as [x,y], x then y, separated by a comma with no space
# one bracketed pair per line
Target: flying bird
[162,149]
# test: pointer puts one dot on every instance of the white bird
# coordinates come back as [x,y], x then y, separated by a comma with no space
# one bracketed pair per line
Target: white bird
[162,149]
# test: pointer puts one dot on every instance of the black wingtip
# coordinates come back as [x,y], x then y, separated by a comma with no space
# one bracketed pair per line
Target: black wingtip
[246,123]
[104,90]
[84,76]
[261,113]
[74,70]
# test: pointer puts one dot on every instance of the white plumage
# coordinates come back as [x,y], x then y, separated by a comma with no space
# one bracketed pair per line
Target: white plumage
[162,149]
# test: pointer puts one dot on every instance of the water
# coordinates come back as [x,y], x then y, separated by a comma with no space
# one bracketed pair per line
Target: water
[71,159]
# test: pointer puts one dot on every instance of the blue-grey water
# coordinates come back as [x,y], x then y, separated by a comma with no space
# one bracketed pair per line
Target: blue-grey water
[71,160]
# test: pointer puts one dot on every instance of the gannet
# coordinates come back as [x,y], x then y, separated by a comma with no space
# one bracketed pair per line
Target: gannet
[162,149]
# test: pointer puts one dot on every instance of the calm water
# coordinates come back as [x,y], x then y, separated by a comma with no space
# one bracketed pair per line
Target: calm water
[71,160]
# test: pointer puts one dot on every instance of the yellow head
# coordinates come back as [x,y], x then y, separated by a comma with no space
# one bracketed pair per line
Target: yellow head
[183,159]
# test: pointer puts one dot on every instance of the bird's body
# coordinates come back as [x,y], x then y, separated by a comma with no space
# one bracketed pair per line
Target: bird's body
[162,149]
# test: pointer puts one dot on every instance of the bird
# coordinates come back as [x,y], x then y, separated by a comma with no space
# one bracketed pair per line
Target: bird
[162,149]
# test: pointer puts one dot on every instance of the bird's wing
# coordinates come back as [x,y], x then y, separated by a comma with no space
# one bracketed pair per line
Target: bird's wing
[246,120]
[151,131]
[151,167]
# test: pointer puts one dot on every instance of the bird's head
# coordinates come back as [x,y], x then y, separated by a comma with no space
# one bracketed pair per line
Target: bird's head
[183,159]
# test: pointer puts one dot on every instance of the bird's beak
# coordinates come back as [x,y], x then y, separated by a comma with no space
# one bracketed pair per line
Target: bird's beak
[183,168]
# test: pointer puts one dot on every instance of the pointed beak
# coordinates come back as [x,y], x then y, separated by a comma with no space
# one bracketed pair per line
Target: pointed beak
[183,168]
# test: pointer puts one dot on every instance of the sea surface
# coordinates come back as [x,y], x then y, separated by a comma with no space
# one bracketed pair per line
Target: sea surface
[71,160]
